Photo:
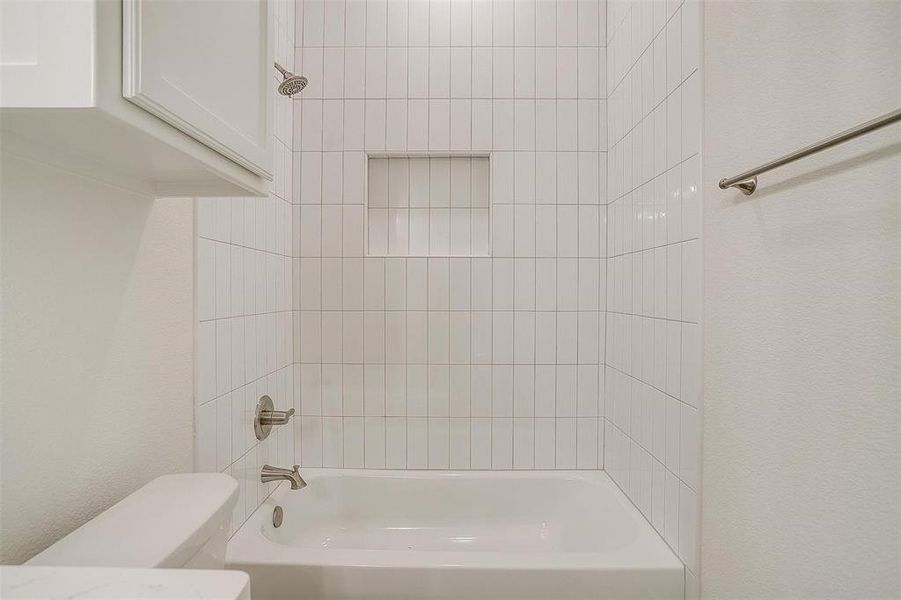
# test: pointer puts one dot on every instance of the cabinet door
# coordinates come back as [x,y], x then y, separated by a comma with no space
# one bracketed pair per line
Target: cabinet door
[206,68]
[46,53]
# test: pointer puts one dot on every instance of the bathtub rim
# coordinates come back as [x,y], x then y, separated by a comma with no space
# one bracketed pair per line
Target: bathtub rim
[648,552]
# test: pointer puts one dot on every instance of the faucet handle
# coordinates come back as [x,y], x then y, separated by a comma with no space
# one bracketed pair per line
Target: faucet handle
[276,417]
[266,416]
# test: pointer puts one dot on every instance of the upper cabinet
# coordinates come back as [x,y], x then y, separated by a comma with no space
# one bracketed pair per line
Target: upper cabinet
[205,67]
[165,98]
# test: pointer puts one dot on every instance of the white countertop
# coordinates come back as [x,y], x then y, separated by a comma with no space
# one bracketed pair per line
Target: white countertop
[89,583]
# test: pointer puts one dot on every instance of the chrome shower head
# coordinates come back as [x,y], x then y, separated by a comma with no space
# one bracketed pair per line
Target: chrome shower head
[291,84]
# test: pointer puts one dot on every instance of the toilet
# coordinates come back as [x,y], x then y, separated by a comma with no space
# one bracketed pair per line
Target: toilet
[175,521]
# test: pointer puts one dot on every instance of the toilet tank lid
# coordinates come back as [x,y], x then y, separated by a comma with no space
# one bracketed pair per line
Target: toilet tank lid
[163,524]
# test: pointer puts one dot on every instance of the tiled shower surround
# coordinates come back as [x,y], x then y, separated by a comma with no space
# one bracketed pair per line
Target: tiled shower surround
[243,345]
[653,371]
[572,340]
[463,362]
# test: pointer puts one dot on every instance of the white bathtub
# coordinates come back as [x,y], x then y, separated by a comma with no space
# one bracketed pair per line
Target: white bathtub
[429,535]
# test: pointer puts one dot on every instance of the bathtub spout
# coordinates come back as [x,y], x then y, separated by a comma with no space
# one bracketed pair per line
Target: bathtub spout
[270,473]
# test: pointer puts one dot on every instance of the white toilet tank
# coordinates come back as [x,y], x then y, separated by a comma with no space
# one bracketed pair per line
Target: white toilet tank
[174,521]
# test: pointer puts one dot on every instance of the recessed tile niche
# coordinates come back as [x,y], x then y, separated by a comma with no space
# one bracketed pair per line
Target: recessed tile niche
[428,206]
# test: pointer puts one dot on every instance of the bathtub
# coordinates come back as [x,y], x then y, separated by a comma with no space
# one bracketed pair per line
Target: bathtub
[426,535]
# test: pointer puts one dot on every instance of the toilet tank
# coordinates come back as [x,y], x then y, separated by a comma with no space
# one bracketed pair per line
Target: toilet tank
[174,521]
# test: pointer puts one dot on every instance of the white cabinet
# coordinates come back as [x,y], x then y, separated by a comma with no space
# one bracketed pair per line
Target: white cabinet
[204,67]
[165,98]
[46,54]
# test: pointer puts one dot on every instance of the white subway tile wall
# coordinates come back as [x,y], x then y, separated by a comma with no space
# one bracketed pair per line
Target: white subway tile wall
[243,346]
[653,343]
[429,206]
[419,359]
[575,344]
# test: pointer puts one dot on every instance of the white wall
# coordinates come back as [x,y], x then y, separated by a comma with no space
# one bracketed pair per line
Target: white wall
[802,480]
[653,287]
[96,349]
[244,346]
[494,362]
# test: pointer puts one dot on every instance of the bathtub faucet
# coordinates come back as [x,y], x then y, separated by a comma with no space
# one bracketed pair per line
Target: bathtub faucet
[270,473]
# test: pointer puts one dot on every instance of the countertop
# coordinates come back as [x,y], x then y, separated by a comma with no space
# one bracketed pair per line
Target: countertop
[89,583]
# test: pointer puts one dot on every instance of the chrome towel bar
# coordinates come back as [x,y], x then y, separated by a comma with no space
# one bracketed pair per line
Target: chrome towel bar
[747,181]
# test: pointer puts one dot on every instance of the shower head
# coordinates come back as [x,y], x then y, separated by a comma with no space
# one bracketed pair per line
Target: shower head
[291,84]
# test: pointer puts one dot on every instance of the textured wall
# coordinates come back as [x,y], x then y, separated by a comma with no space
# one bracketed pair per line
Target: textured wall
[96,349]
[802,478]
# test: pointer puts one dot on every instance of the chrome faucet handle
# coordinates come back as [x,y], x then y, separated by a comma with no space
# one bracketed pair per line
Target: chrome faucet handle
[276,417]
[266,416]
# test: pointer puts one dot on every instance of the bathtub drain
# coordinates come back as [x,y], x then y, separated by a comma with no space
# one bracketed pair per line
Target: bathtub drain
[278,515]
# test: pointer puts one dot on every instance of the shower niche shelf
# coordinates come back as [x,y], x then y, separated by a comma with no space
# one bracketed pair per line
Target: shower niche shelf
[428,205]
